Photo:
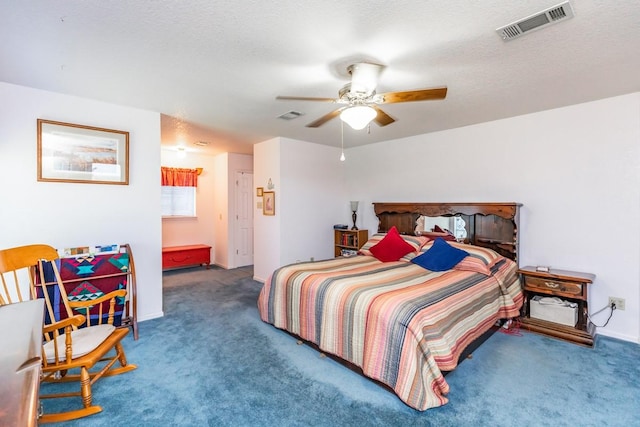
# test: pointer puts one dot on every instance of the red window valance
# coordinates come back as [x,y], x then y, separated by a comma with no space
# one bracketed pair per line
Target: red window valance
[179,177]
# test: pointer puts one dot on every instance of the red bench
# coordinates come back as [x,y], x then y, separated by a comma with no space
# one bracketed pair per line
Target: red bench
[185,256]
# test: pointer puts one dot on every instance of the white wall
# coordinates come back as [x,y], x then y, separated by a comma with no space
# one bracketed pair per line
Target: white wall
[575,169]
[313,195]
[221,209]
[267,229]
[68,214]
[310,198]
[189,231]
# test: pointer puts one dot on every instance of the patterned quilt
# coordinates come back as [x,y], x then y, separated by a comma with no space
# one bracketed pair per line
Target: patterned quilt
[402,324]
[86,278]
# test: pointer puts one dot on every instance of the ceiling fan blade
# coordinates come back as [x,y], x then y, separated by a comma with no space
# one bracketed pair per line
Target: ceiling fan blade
[324,119]
[414,95]
[305,98]
[382,119]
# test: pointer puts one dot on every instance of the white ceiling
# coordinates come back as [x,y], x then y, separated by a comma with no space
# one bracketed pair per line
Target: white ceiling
[214,68]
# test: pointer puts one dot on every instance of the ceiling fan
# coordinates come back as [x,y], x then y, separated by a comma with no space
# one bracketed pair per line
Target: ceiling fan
[360,100]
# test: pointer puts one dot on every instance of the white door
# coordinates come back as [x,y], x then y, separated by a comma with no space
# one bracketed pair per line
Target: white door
[244,219]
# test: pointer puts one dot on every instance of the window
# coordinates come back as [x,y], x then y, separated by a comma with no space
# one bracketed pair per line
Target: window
[178,201]
[179,191]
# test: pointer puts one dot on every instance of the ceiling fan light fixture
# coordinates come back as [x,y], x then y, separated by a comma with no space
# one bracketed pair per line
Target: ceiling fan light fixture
[358,116]
[364,77]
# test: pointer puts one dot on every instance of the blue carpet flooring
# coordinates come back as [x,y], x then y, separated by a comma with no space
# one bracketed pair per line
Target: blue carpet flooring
[210,361]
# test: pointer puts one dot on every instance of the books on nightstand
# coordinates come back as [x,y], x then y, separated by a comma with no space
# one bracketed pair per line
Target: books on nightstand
[348,252]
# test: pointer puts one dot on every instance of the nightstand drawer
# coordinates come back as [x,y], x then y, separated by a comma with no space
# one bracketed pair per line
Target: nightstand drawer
[548,284]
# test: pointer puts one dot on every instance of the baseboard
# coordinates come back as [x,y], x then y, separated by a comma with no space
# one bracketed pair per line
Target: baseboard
[622,337]
[151,316]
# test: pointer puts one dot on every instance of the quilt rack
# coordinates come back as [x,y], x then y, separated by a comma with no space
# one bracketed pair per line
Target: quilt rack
[88,275]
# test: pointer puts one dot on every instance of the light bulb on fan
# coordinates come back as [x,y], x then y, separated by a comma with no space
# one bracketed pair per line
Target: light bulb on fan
[358,116]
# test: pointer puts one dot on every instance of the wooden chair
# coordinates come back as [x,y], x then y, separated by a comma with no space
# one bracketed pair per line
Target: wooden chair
[93,349]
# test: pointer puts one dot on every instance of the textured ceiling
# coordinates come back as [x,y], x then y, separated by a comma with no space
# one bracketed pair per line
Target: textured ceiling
[214,68]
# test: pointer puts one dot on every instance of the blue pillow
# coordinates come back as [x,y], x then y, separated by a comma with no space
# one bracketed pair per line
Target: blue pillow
[442,256]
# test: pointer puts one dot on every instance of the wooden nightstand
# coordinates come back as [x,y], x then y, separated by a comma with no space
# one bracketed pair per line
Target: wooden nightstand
[568,285]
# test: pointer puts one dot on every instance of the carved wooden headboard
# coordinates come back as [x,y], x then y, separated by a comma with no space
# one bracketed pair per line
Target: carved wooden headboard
[491,225]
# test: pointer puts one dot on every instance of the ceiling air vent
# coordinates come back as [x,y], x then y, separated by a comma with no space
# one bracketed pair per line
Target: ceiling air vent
[290,115]
[536,21]
[201,143]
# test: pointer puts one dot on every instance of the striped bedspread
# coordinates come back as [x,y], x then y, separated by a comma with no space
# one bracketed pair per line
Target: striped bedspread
[402,324]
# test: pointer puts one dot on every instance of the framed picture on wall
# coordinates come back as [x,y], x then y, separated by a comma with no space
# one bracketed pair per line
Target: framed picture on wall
[269,203]
[259,191]
[84,154]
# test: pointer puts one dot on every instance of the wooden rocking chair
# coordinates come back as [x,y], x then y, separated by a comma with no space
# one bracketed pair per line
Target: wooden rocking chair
[29,272]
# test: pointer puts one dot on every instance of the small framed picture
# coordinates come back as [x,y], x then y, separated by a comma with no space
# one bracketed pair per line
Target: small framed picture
[259,191]
[269,203]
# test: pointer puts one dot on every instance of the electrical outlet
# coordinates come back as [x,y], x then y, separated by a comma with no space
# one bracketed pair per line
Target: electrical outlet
[619,302]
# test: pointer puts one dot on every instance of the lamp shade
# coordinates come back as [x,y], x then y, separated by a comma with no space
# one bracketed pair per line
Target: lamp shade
[354,206]
[358,116]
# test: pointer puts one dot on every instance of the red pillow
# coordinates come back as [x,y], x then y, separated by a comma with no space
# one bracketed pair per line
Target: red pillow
[438,229]
[392,247]
[435,234]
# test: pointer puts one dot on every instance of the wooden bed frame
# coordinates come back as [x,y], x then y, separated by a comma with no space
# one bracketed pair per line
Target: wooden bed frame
[491,225]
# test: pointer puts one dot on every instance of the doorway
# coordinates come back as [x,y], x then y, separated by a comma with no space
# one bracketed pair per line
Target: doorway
[243,224]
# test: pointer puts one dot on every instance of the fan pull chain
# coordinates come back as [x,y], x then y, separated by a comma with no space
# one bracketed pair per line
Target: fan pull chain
[342,139]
